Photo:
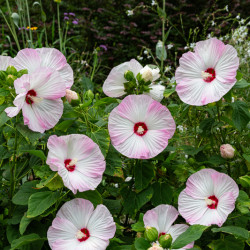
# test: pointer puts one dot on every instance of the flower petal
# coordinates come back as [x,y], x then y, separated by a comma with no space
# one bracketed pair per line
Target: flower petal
[101,224]
[150,219]
[18,102]
[66,245]
[191,209]
[156,92]
[67,74]
[93,243]
[200,184]
[5,62]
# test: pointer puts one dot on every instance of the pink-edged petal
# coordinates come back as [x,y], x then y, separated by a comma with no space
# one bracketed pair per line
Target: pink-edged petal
[210,51]
[156,92]
[134,147]
[166,215]
[224,184]
[120,129]
[191,209]
[22,84]
[159,117]
[93,243]
[12,111]
[156,141]
[200,184]
[227,65]
[101,224]
[150,219]
[66,245]
[5,62]
[27,59]
[67,181]
[18,102]
[77,211]
[66,73]
[114,84]
[47,83]
[176,230]
[225,206]
[43,115]
[61,229]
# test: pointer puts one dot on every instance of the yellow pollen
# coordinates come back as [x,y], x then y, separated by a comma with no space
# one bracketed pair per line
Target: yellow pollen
[205,75]
[80,234]
[209,201]
[140,130]
[36,99]
[72,162]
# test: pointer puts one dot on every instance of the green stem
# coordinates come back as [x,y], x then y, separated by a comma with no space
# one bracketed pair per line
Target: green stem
[44,25]
[30,32]
[163,34]
[65,37]
[59,26]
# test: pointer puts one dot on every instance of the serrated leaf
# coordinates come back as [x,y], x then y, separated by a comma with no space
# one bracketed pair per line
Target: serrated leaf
[87,84]
[193,233]
[30,136]
[238,232]
[162,194]
[39,202]
[113,161]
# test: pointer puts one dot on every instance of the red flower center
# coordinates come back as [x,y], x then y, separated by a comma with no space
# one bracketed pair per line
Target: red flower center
[214,202]
[70,165]
[83,234]
[28,98]
[209,75]
[160,234]
[140,128]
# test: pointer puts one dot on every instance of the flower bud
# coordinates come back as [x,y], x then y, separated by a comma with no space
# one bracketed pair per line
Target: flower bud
[71,95]
[11,70]
[155,246]
[151,234]
[227,151]
[90,94]
[129,75]
[165,240]
[147,74]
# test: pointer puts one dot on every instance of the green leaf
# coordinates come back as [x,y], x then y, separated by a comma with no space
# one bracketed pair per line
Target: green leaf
[241,115]
[245,181]
[246,157]
[24,223]
[113,206]
[92,195]
[142,244]
[133,201]
[105,101]
[243,202]
[25,240]
[26,190]
[161,51]
[113,161]
[15,18]
[29,135]
[87,84]
[3,118]
[4,92]
[54,183]
[228,243]
[144,173]
[39,202]
[189,150]
[237,232]
[241,84]
[139,225]
[38,153]
[101,137]
[193,233]
[162,194]
[168,92]
[63,126]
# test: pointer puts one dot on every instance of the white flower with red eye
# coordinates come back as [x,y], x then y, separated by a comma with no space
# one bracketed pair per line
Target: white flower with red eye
[209,197]
[140,127]
[78,226]
[39,96]
[33,59]
[208,73]
[5,62]
[78,160]
[114,84]
[162,218]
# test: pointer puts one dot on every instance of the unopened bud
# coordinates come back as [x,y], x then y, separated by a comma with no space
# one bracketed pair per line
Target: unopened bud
[11,70]
[227,151]
[71,95]
[129,75]
[147,74]
[151,234]
[90,94]
[165,240]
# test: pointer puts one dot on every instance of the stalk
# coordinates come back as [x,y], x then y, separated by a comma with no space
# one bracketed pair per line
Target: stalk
[28,15]
[163,34]
[59,26]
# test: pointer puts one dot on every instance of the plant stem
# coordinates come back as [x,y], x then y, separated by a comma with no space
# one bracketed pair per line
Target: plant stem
[163,34]
[59,26]
[30,32]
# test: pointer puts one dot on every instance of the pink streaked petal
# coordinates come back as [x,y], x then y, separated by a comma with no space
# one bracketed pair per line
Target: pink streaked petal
[191,209]
[5,62]
[93,243]
[66,73]
[150,219]
[224,184]
[18,102]
[176,230]
[101,224]
[12,111]
[120,129]
[226,205]
[227,65]
[134,147]
[77,211]
[66,245]
[22,84]
[61,229]
[65,174]
[159,117]
[48,84]
[156,92]
[200,184]
[27,59]
[210,51]
[44,115]
[166,215]
[156,141]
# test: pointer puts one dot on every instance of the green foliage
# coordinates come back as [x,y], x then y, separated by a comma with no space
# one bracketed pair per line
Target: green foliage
[237,232]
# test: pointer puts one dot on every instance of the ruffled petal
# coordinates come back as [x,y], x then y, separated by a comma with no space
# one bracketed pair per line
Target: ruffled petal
[77,211]
[67,74]
[101,224]
[224,184]
[156,92]
[22,84]
[150,219]
[191,209]
[27,59]
[18,102]
[200,185]
[5,62]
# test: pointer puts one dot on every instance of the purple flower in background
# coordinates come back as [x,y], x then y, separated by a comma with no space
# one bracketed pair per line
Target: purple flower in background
[65,14]
[75,22]
[72,14]
[66,18]
[104,47]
